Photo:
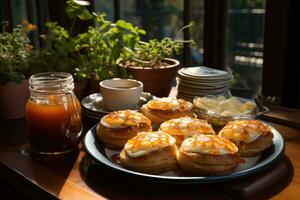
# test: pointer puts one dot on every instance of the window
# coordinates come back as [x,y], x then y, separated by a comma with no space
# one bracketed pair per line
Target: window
[197,15]
[245,33]
[105,6]
[161,18]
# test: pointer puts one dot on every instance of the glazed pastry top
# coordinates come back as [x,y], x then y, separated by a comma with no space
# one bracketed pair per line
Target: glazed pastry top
[208,144]
[186,126]
[146,142]
[124,118]
[245,131]
[169,104]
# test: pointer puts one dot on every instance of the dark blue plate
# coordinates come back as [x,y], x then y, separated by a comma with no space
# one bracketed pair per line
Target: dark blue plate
[97,150]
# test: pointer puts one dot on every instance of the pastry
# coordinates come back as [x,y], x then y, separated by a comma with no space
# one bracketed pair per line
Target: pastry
[251,136]
[149,152]
[160,110]
[117,127]
[208,155]
[181,128]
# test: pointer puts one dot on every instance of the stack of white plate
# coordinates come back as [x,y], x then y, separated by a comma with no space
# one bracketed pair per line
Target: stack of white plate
[202,81]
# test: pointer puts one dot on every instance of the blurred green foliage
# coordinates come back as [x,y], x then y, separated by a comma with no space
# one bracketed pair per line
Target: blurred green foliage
[152,53]
[15,52]
[92,54]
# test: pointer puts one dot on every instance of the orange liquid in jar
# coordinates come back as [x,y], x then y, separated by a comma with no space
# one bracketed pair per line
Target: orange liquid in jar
[53,127]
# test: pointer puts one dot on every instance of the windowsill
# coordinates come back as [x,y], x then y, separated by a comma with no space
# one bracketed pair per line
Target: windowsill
[285,116]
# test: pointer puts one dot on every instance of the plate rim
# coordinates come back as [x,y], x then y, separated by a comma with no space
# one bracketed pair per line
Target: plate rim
[186,70]
[189,179]
[204,79]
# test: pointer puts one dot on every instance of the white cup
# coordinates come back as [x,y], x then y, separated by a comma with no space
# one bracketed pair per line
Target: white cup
[120,94]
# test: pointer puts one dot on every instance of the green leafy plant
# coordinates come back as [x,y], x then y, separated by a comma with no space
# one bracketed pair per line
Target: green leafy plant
[99,48]
[76,9]
[92,54]
[152,53]
[15,52]
[58,53]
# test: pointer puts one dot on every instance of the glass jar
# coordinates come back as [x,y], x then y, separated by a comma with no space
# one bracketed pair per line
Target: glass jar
[53,113]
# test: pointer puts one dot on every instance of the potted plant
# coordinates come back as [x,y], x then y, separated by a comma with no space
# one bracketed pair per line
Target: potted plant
[152,63]
[15,53]
[100,47]
[90,56]
[59,55]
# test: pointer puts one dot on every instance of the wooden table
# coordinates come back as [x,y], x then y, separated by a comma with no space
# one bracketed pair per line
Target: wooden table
[77,176]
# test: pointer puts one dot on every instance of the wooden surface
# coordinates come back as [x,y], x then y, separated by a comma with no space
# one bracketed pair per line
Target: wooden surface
[77,176]
[286,116]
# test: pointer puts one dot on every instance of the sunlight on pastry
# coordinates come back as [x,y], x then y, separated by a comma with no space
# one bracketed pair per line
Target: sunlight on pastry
[149,152]
[183,127]
[117,127]
[251,136]
[168,103]
[209,144]
[146,142]
[208,154]
[160,110]
[124,118]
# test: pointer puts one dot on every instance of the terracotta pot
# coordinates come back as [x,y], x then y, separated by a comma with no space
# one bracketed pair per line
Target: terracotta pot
[157,81]
[81,89]
[13,98]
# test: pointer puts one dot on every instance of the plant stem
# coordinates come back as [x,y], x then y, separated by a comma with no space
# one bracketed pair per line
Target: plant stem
[142,61]
[128,49]
[136,59]
[9,67]
[183,41]
[182,29]
[72,26]
[142,42]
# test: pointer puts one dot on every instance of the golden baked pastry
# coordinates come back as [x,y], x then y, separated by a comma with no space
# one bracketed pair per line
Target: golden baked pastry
[160,110]
[149,152]
[181,128]
[117,127]
[251,136]
[208,155]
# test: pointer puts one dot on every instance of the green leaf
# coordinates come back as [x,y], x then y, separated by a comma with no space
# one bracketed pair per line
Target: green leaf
[15,53]
[125,25]
[142,32]
[84,15]
[75,10]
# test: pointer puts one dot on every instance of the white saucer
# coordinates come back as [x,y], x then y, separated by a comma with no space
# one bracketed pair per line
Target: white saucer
[92,105]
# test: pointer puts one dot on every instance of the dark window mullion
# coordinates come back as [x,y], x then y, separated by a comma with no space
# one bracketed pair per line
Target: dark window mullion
[281,69]
[274,58]
[31,16]
[6,12]
[215,29]
[117,11]
[42,16]
[186,33]
[57,12]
